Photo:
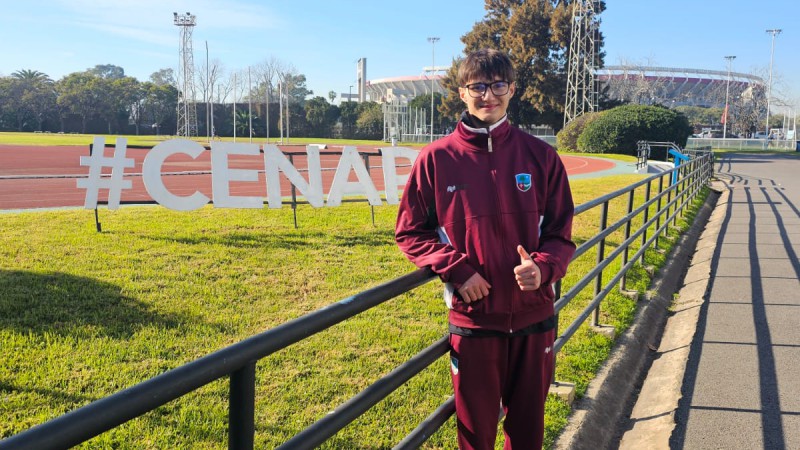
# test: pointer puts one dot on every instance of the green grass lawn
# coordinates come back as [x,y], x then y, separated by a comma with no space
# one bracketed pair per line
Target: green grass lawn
[86,314]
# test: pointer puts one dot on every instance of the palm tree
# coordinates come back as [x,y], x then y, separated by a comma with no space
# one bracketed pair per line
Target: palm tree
[31,75]
[36,97]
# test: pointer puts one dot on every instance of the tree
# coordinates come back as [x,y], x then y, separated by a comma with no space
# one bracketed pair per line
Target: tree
[348,114]
[31,75]
[107,71]
[207,78]
[267,74]
[424,102]
[452,106]
[297,87]
[536,36]
[82,94]
[321,116]
[332,95]
[32,98]
[370,120]
[160,105]
[126,96]
[163,77]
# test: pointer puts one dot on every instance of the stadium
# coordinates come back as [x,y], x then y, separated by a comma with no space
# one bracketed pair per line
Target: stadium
[677,86]
[636,84]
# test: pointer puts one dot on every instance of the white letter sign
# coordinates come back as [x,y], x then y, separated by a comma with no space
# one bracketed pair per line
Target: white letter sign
[151,175]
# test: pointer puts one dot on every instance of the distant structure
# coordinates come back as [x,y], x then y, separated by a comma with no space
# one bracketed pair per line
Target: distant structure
[187,108]
[394,93]
[670,86]
[361,80]
[581,85]
[404,89]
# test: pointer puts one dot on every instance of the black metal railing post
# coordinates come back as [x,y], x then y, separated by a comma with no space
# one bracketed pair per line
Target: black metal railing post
[601,249]
[627,235]
[658,210]
[557,291]
[242,407]
[646,216]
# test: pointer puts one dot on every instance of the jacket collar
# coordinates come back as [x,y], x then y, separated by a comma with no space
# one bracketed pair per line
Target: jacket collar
[476,138]
[469,123]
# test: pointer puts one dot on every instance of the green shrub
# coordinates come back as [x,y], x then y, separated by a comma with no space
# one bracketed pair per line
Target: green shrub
[567,138]
[618,130]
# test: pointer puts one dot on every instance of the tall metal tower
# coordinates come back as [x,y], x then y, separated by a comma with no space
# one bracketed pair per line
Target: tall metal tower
[581,85]
[187,108]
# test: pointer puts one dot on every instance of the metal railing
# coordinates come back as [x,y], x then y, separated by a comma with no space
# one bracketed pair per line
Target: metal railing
[746,144]
[238,361]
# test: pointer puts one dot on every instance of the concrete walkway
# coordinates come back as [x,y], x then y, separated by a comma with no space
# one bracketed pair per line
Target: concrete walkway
[726,374]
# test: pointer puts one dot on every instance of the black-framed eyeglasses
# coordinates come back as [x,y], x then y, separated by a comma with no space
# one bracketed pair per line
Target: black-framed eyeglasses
[478,90]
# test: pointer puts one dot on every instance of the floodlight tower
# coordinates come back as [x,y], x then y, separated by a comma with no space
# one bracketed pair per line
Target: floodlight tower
[187,108]
[581,87]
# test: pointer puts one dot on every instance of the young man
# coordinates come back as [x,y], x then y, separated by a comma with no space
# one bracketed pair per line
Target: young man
[489,209]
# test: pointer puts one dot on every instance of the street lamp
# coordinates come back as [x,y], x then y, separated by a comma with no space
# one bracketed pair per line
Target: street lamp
[727,90]
[433,41]
[774,33]
[350,94]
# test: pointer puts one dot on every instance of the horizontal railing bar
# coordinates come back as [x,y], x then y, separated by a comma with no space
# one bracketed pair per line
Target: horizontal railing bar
[575,324]
[589,277]
[612,195]
[340,417]
[425,430]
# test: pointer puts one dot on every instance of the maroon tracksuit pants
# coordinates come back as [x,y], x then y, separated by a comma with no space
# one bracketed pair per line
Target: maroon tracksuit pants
[509,372]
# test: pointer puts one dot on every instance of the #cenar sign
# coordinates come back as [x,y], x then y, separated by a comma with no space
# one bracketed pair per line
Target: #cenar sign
[275,162]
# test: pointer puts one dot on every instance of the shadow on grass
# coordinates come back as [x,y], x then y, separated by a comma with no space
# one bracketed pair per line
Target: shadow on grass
[66,304]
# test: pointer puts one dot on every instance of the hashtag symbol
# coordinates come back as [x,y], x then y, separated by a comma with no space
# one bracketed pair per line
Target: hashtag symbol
[95,181]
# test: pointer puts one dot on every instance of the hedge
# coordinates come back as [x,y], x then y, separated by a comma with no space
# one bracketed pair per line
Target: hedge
[567,138]
[618,130]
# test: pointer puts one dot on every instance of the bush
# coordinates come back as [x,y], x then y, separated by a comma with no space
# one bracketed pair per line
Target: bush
[567,138]
[618,130]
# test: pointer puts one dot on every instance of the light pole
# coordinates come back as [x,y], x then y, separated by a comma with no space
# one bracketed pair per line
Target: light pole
[774,33]
[208,102]
[433,41]
[727,91]
[350,94]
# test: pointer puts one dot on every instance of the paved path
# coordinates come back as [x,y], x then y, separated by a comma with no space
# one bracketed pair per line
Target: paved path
[741,385]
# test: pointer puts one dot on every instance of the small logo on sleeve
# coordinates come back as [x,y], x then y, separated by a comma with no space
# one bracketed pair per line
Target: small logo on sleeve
[523,181]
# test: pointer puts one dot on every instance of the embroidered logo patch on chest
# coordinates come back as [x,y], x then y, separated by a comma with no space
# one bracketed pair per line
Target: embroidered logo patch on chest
[523,181]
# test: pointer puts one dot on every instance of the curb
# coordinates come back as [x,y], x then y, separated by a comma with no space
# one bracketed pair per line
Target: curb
[605,407]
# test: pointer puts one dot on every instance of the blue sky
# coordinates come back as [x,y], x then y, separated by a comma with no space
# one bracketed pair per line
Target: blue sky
[323,39]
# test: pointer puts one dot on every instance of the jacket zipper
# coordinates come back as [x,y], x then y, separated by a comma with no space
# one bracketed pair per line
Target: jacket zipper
[498,214]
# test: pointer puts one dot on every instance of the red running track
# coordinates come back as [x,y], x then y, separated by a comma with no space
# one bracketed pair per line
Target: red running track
[46,177]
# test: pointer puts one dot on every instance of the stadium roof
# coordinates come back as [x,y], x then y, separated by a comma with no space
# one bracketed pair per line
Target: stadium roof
[403,89]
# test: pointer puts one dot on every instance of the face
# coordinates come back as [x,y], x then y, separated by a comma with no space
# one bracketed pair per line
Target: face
[488,108]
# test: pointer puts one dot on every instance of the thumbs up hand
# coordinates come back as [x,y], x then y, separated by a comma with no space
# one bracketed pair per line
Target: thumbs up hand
[528,274]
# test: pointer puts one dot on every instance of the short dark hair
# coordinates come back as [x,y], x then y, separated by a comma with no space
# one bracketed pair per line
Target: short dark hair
[487,64]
